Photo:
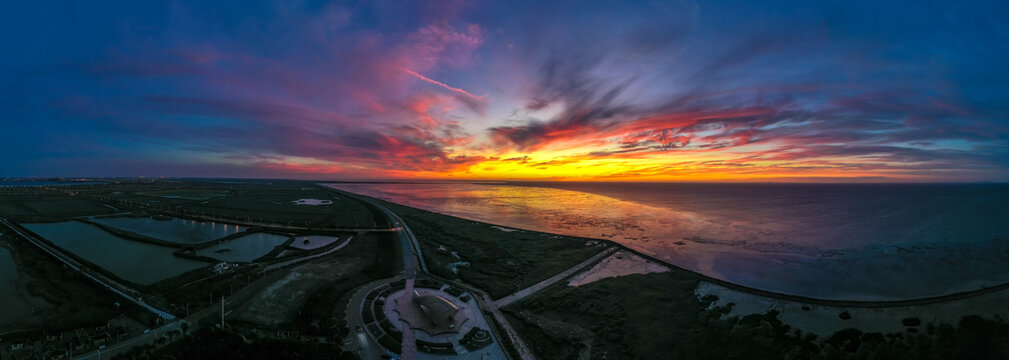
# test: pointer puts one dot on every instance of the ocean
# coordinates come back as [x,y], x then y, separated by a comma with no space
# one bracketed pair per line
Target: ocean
[828,241]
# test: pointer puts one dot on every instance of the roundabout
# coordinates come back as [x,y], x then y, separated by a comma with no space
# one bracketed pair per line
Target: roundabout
[444,322]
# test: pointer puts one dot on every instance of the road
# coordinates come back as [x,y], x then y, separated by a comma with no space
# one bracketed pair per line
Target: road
[362,341]
[520,346]
[123,346]
[214,310]
[412,256]
[115,286]
[411,260]
[518,295]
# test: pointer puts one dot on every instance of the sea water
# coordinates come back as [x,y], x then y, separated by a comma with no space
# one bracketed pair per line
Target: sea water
[830,241]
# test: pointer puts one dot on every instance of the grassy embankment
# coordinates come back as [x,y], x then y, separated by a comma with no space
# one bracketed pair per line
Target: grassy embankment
[657,316]
[501,262]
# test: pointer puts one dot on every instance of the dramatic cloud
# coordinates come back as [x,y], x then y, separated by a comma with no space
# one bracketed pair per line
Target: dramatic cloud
[664,90]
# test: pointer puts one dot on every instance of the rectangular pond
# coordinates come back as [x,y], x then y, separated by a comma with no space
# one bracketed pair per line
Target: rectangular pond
[178,230]
[133,261]
[312,242]
[244,249]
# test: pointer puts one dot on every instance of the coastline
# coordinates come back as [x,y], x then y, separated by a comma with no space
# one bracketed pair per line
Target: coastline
[850,303]
[824,319]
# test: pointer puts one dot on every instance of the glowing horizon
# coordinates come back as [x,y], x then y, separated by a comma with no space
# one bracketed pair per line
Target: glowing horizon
[649,91]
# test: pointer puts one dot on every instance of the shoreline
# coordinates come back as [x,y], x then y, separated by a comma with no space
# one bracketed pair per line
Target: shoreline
[738,287]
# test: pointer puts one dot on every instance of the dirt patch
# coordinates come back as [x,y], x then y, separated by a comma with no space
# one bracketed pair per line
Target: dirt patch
[279,303]
[621,263]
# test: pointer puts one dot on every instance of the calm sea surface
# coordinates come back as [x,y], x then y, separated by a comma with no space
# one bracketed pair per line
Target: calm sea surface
[865,242]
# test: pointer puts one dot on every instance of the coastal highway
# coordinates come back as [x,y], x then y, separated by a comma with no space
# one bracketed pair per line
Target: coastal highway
[412,257]
[411,260]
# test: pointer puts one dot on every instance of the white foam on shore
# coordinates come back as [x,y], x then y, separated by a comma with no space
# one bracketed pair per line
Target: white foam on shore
[504,228]
[621,263]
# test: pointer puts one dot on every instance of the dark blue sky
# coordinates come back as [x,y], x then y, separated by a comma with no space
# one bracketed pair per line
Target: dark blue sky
[831,91]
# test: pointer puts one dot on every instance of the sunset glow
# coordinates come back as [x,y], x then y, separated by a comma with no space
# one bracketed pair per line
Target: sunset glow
[663,91]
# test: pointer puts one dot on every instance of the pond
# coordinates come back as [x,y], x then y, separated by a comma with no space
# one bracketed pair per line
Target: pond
[178,230]
[246,248]
[132,261]
[313,241]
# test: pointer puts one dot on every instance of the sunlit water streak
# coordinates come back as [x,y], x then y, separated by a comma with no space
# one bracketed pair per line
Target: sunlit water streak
[867,242]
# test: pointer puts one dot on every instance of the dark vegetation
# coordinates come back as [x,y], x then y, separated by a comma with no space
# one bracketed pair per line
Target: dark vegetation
[266,201]
[657,316]
[73,300]
[211,343]
[274,204]
[324,312]
[38,204]
[500,262]
[78,302]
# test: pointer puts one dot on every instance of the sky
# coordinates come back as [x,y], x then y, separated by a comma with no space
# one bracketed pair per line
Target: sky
[896,91]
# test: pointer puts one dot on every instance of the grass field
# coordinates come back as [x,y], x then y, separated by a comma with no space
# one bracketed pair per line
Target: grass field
[657,316]
[186,194]
[500,262]
[71,300]
[40,204]
[277,205]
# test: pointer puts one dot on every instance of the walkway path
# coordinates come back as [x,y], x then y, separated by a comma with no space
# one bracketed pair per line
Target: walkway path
[409,350]
[518,295]
[520,346]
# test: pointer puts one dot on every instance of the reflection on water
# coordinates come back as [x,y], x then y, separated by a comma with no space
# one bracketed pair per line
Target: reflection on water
[826,241]
[177,230]
[141,263]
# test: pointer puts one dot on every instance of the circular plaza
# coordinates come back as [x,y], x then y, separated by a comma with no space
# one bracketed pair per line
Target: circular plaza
[442,321]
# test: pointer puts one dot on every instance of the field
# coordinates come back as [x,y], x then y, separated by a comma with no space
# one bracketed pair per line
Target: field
[499,262]
[247,200]
[657,316]
[64,299]
[275,204]
[305,298]
[186,194]
[38,204]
